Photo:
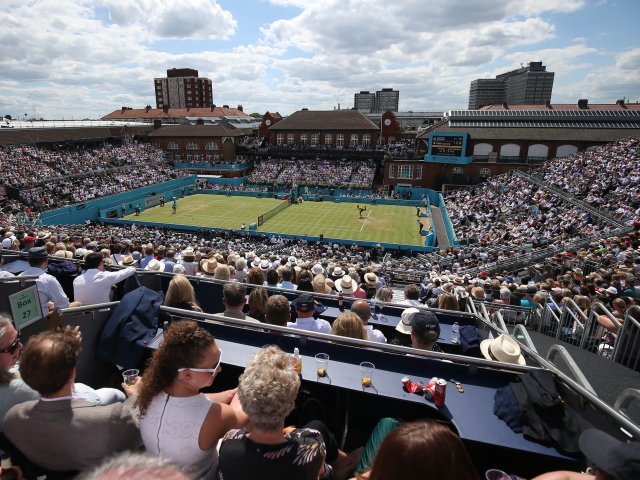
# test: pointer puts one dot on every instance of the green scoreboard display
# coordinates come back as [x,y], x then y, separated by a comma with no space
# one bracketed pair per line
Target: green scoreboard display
[448,147]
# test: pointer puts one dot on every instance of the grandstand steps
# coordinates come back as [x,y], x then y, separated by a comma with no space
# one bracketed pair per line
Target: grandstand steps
[438,227]
[608,378]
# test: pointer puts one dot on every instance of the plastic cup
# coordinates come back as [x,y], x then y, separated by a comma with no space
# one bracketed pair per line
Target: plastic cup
[495,474]
[366,373]
[322,364]
[130,376]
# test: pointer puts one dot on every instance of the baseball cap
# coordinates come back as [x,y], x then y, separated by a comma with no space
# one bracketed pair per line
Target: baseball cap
[424,322]
[305,302]
[37,252]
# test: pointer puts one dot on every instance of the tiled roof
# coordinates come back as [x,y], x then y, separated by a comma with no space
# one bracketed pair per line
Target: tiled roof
[159,113]
[325,120]
[198,131]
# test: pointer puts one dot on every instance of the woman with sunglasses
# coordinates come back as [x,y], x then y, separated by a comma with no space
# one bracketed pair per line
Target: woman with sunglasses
[14,391]
[177,421]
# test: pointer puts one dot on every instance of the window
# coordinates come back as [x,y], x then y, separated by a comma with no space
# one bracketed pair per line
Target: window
[392,171]
[485,172]
[192,145]
[173,146]
[291,138]
[366,139]
[315,139]
[405,171]
[457,171]
[303,139]
[209,157]
[280,139]
[354,139]
[328,139]
[340,140]
[211,146]
[418,172]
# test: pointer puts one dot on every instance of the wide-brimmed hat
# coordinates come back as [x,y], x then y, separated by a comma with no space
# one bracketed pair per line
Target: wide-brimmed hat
[320,284]
[265,265]
[155,266]
[43,235]
[209,265]
[458,281]
[404,325]
[255,263]
[370,279]
[346,284]
[503,349]
[127,260]
[619,459]
[338,272]
[317,269]
[188,253]
[63,254]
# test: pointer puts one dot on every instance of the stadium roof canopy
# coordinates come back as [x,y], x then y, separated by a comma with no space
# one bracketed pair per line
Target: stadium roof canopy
[325,120]
[219,130]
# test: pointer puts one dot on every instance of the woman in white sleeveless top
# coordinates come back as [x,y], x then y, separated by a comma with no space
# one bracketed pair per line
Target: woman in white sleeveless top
[178,422]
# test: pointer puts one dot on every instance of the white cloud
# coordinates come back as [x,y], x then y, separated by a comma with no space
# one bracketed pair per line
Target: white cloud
[87,57]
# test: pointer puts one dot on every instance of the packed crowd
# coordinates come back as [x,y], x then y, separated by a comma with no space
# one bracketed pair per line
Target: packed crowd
[61,192]
[314,172]
[605,176]
[24,166]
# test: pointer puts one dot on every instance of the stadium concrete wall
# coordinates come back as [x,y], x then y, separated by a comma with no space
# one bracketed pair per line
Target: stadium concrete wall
[91,210]
[211,166]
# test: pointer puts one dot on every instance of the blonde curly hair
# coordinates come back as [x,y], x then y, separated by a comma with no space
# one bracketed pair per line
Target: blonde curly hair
[268,388]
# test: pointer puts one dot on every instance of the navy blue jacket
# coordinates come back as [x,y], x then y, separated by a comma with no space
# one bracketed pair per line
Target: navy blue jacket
[132,324]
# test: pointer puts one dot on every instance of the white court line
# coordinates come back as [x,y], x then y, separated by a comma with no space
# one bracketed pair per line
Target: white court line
[365,220]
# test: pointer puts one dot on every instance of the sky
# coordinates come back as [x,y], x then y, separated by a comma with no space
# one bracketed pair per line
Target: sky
[78,59]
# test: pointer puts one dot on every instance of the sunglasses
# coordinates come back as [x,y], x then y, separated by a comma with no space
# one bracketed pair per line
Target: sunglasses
[208,370]
[13,347]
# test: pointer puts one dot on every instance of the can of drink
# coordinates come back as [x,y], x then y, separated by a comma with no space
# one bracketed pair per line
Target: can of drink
[440,392]
[430,388]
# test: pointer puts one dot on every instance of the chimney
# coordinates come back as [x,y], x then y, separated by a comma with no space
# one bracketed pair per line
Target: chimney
[548,104]
[199,121]
[225,106]
[583,103]
[123,109]
[157,124]
[165,109]
[505,106]
[147,108]
[212,107]
[240,108]
[621,103]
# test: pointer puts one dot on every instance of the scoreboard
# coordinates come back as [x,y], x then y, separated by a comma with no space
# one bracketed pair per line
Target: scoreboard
[449,146]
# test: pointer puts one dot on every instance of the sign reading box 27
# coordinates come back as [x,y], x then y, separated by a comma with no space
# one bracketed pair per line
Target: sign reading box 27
[25,307]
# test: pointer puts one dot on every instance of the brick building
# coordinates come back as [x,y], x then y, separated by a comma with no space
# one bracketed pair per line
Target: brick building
[183,88]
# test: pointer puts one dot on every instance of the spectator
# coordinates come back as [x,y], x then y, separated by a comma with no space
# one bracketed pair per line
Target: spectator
[180,294]
[60,432]
[410,446]
[134,466]
[348,324]
[95,285]
[258,303]
[267,391]
[425,330]
[362,309]
[411,295]
[278,311]
[177,422]
[234,297]
[305,308]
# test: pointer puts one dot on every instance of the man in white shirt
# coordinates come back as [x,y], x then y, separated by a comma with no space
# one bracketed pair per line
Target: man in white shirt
[361,308]
[305,308]
[49,288]
[94,285]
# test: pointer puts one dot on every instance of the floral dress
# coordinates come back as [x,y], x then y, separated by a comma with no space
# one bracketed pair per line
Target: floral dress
[300,456]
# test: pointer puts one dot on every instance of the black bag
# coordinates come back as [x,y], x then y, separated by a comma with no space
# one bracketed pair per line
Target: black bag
[545,416]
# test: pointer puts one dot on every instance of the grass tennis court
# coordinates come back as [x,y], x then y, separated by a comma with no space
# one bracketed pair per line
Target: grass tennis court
[380,223]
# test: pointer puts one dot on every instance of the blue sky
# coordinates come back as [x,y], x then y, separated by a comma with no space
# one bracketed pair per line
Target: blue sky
[85,58]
